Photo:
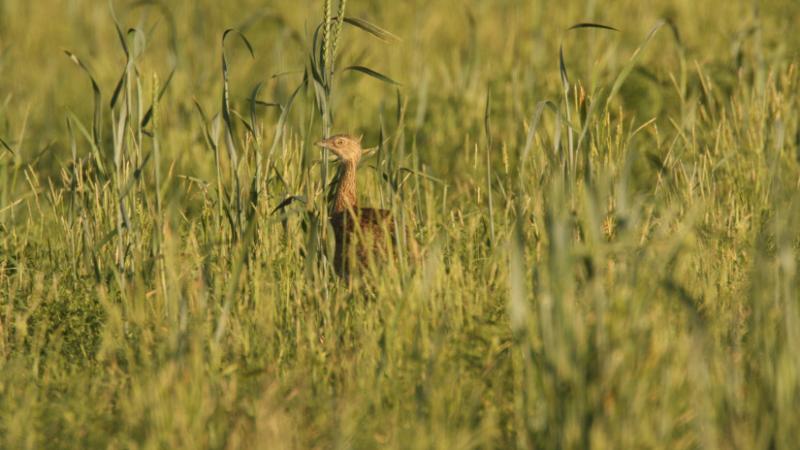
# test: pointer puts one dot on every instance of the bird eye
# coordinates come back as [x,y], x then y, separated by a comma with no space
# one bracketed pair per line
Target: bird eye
[339,142]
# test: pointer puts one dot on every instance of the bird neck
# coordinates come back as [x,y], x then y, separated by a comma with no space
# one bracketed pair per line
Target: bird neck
[346,190]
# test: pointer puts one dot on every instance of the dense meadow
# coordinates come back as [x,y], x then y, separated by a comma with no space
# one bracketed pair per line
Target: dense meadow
[605,196]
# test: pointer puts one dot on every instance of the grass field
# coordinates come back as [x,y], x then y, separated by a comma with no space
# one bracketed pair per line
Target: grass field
[609,223]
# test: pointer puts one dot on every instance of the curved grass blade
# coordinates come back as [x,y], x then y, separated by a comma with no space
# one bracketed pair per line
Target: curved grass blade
[246,124]
[225,90]
[122,40]
[137,175]
[167,13]
[149,114]
[372,73]
[537,117]
[632,62]
[96,120]
[315,56]
[286,73]
[561,64]
[6,146]
[591,25]
[118,28]
[95,148]
[319,93]
[675,31]
[423,175]
[173,49]
[372,29]
[487,123]
[204,119]
[226,109]
[288,201]
[264,104]
[586,121]
[562,68]
[253,103]
[282,119]
[242,36]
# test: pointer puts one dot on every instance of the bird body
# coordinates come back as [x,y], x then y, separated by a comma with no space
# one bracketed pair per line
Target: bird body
[361,234]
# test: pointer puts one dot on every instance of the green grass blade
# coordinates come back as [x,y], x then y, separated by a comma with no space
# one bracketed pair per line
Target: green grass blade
[372,73]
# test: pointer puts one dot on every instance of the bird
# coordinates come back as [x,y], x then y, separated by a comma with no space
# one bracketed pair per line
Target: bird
[361,234]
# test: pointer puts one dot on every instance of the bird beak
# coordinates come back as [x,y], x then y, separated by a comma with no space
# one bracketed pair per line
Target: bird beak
[323,143]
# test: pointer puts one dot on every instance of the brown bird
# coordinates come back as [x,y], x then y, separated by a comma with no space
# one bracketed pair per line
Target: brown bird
[361,233]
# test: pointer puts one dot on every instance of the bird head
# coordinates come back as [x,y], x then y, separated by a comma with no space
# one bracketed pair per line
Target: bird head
[346,148]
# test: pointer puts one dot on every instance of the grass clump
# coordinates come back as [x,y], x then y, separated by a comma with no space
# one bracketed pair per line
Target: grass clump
[607,210]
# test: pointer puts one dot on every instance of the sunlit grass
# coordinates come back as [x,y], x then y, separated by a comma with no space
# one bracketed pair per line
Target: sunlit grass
[609,224]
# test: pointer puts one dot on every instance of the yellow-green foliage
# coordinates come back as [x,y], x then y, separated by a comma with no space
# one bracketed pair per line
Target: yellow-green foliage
[609,224]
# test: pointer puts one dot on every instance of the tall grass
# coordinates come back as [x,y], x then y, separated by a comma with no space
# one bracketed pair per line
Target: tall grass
[608,224]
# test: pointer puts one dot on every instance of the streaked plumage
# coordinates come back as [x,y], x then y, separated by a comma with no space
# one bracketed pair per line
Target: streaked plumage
[361,233]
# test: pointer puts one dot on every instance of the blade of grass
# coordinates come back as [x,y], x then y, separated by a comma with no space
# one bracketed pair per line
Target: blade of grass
[631,63]
[372,73]
[97,117]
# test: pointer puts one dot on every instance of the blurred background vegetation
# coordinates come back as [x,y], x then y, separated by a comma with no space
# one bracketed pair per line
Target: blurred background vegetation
[609,222]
